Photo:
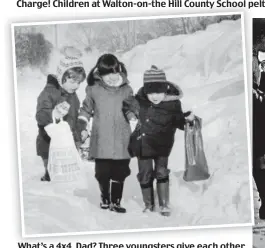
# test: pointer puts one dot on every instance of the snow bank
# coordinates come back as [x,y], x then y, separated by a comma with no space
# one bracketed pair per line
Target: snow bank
[194,59]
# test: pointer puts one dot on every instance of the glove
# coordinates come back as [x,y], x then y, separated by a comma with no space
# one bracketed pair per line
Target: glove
[82,129]
[61,110]
[84,135]
[189,116]
[131,116]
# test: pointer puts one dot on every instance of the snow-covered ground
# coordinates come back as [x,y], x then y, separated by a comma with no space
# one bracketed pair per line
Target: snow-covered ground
[208,66]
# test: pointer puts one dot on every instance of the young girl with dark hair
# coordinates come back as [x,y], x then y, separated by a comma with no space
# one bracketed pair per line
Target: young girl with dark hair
[107,64]
[107,88]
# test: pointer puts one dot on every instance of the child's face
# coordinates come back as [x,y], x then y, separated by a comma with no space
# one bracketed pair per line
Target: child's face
[71,85]
[156,98]
[111,79]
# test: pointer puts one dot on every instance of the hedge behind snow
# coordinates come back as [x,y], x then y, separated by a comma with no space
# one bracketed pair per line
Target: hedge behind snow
[32,49]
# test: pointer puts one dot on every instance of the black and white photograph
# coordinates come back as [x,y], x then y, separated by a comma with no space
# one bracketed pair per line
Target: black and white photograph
[131,124]
[258,121]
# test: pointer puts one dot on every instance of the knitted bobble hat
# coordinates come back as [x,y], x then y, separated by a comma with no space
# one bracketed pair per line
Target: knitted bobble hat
[71,58]
[155,81]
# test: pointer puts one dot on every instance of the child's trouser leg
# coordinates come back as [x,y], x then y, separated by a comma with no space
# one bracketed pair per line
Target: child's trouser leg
[145,178]
[162,176]
[102,174]
[46,176]
[119,171]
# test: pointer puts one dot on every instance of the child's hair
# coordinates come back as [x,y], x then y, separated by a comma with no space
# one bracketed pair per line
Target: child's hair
[107,63]
[75,73]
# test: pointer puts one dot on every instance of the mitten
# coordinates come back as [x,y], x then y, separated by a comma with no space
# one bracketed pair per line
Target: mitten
[61,110]
[82,127]
[189,116]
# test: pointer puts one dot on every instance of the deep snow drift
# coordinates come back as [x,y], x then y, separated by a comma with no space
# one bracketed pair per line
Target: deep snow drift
[208,66]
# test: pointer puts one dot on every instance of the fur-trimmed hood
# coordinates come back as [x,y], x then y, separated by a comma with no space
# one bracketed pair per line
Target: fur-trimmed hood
[53,85]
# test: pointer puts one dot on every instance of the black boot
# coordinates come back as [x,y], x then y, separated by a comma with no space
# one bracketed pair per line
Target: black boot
[148,198]
[46,176]
[163,197]
[116,195]
[105,194]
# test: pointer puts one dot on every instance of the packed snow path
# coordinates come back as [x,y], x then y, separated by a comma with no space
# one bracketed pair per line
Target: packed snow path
[222,199]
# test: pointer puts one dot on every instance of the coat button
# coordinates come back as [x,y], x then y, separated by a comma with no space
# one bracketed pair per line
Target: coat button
[147,120]
[143,134]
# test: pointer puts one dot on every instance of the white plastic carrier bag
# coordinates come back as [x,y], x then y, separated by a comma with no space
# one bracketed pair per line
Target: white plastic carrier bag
[64,162]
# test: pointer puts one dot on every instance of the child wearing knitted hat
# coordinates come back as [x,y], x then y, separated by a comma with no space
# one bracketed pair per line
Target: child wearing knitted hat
[157,108]
[59,100]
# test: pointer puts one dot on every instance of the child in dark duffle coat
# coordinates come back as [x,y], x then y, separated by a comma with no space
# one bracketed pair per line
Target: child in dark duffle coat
[107,88]
[158,110]
[58,99]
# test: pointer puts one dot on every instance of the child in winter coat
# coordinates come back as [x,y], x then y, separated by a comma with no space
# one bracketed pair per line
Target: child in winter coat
[58,100]
[158,110]
[107,88]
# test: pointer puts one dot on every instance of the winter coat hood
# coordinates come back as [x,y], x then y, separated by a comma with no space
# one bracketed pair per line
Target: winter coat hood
[53,82]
